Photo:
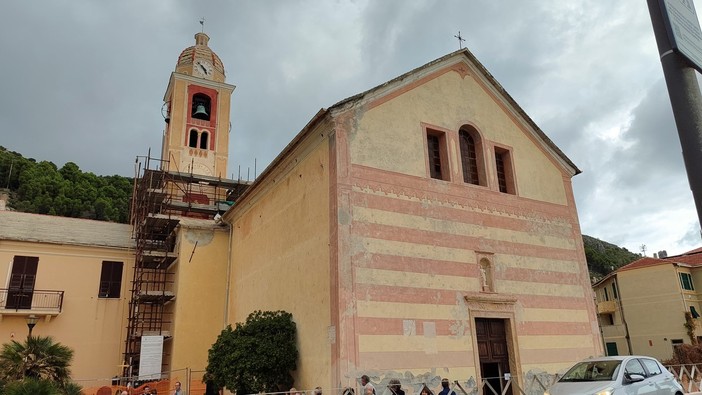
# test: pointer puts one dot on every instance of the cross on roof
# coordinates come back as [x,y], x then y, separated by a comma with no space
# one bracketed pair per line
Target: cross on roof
[460,40]
[202,23]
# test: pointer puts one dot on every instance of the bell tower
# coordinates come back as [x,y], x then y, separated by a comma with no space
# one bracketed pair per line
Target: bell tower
[196,110]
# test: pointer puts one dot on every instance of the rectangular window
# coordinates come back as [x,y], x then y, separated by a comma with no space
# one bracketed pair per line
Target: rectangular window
[612,349]
[606,295]
[503,165]
[676,343]
[436,152]
[614,291]
[110,279]
[607,319]
[23,276]
[686,282]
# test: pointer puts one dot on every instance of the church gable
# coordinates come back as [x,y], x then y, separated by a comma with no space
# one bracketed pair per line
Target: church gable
[451,121]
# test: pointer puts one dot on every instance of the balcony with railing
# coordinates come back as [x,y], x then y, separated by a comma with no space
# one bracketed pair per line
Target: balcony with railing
[609,306]
[22,301]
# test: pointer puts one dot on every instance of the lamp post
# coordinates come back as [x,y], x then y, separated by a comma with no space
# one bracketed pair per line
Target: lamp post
[31,321]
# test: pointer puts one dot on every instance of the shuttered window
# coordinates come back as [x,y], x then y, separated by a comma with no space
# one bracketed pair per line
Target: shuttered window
[110,279]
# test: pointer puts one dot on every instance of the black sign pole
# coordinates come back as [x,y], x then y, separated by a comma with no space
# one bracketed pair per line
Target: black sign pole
[685,99]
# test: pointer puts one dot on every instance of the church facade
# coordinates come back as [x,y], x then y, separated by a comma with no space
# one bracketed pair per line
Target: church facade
[424,228]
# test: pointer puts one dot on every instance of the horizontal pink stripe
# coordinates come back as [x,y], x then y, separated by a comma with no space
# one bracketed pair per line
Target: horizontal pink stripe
[539,276]
[385,232]
[411,207]
[428,266]
[415,265]
[412,295]
[395,326]
[387,361]
[466,195]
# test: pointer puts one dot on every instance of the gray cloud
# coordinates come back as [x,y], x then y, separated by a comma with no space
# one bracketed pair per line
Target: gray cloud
[84,82]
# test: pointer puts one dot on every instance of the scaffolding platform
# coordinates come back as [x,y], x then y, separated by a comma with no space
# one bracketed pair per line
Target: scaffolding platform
[161,201]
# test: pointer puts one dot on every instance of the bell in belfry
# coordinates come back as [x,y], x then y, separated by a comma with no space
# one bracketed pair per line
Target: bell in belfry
[200,112]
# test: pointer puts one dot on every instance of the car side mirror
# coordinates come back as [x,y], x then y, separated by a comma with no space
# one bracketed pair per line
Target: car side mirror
[634,378]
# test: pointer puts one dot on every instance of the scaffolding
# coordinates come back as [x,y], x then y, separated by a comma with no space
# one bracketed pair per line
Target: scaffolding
[160,199]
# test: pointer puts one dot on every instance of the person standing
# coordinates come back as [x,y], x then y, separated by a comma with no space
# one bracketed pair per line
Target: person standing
[446,390]
[396,387]
[178,390]
[368,388]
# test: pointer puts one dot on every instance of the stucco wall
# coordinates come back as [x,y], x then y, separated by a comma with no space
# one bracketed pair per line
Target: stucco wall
[654,312]
[93,327]
[412,244]
[200,288]
[390,136]
[280,254]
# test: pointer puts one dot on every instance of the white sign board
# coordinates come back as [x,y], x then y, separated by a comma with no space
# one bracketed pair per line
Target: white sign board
[150,357]
[683,29]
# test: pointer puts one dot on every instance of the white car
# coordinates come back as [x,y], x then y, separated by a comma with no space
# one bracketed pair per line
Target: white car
[621,375]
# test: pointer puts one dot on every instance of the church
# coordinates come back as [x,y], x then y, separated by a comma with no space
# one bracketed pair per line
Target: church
[424,228]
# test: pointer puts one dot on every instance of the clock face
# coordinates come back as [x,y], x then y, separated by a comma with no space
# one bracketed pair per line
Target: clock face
[203,68]
[199,168]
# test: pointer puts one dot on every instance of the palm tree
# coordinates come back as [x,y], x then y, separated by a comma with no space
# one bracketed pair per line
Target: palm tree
[37,358]
[31,387]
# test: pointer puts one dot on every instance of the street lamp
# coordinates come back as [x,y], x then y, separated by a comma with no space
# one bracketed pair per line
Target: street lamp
[31,321]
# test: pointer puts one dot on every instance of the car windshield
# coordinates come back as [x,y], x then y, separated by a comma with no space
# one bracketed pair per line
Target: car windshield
[592,371]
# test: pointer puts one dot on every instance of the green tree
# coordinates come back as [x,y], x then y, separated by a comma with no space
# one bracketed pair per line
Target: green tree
[38,358]
[256,356]
[42,188]
[31,387]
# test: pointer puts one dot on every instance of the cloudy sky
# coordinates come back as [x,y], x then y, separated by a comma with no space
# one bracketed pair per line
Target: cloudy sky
[83,81]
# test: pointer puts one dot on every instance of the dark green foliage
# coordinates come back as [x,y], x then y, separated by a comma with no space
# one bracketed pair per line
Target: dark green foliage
[40,387]
[43,188]
[31,387]
[256,356]
[603,258]
[37,357]
[36,366]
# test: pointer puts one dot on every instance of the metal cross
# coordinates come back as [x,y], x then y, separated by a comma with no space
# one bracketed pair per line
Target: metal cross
[460,40]
[202,23]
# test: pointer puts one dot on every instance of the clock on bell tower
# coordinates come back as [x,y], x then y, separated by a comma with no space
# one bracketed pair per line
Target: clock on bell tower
[197,101]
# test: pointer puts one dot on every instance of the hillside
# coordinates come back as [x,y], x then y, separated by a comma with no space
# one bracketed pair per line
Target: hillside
[43,188]
[603,257]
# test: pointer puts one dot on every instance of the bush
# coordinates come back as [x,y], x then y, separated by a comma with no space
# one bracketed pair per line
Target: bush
[685,354]
[256,356]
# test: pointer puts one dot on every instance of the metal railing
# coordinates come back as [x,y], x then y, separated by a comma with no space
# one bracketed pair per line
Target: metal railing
[689,376]
[37,299]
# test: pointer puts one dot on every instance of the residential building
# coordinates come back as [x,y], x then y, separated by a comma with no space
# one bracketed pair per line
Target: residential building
[643,307]
[72,275]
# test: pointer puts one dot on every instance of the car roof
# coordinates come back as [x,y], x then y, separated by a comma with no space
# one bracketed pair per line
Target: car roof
[616,358]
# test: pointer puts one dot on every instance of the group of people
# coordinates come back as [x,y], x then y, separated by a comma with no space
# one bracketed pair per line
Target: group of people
[394,386]
[148,391]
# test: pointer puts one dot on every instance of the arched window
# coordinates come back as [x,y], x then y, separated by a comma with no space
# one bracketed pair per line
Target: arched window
[201,107]
[471,156]
[203,140]
[192,139]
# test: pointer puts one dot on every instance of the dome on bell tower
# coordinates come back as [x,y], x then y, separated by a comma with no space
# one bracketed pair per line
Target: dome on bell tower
[200,61]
